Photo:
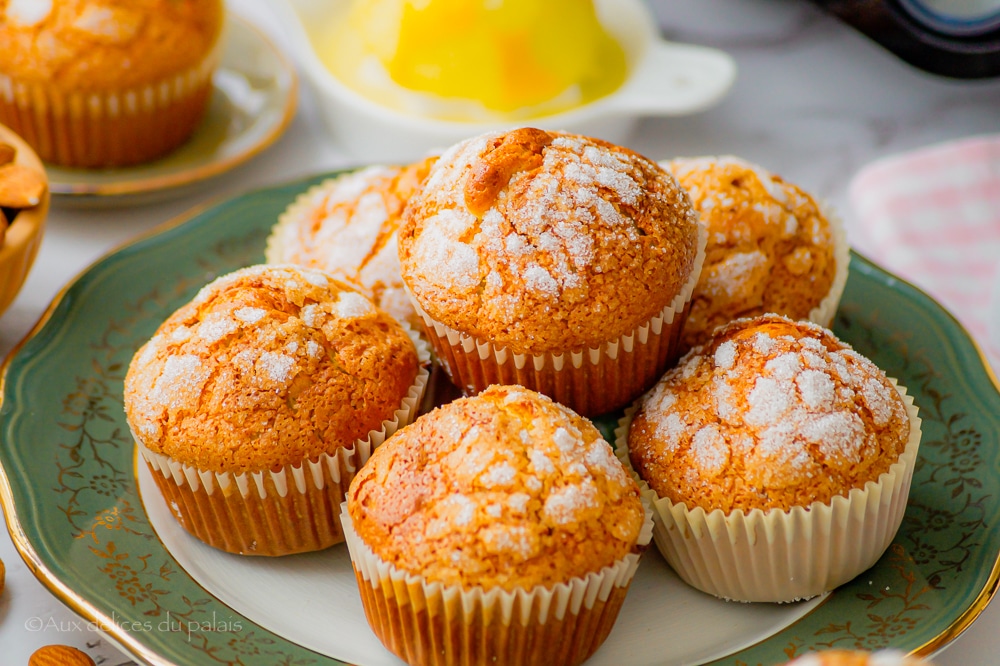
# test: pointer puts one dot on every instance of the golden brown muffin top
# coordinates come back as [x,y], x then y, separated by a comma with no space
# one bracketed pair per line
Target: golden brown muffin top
[770,248]
[347,226]
[858,658]
[267,366]
[546,241]
[505,489]
[769,414]
[98,45]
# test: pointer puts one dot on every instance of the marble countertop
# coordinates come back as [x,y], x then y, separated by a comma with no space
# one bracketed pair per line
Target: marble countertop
[814,101]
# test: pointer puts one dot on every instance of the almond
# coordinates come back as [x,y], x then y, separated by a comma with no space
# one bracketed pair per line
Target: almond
[20,186]
[59,655]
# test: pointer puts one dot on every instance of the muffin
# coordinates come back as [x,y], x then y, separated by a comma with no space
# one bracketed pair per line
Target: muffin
[498,528]
[347,226]
[858,658]
[107,83]
[255,403]
[778,459]
[555,261]
[771,247]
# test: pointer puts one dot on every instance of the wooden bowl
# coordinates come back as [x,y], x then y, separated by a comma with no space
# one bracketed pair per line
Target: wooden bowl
[24,234]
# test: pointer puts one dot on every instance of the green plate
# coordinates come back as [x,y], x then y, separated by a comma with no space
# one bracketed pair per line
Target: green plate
[72,506]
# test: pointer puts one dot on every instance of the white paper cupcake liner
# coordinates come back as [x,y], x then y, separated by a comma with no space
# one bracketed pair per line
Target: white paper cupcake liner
[431,623]
[284,232]
[591,381]
[782,556]
[277,512]
[825,311]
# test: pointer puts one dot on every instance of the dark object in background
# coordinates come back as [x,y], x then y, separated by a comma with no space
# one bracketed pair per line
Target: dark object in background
[955,38]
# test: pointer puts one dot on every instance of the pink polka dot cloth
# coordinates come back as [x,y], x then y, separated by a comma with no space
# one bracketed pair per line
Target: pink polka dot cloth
[932,217]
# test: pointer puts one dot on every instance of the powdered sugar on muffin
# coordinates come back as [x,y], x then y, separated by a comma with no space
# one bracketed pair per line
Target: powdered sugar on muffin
[266,366]
[771,246]
[508,489]
[835,657]
[347,226]
[543,240]
[770,414]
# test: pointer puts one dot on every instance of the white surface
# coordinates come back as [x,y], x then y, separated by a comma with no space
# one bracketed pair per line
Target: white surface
[814,101]
[312,599]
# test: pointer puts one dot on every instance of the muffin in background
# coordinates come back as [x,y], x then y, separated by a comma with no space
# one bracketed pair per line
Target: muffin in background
[834,657]
[498,528]
[347,226]
[254,404]
[771,247]
[778,460]
[107,83]
[555,261]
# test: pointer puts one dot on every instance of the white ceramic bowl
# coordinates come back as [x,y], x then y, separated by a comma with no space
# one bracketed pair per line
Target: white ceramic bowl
[664,79]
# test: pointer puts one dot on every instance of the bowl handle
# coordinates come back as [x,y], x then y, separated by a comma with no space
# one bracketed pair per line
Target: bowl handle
[676,79]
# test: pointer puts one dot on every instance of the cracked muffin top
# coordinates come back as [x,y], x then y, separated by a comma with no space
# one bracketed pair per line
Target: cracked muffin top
[545,241]
[347,226]
[769,414]
[770,247]
[105,44]
[267,366]
[843,657]
[505,489]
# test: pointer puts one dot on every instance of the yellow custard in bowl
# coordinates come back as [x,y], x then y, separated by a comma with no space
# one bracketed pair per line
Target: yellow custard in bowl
[473,60]
[396,79]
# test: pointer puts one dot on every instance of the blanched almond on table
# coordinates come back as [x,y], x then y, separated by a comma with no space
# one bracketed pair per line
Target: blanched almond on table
[20,186]
[59,655]
[7,153]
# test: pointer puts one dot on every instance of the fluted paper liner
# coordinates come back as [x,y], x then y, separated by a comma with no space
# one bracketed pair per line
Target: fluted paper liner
[109,128]
[824,312]
[275,247]
[591,381]
[431,623]
[782,556]
[294,509]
